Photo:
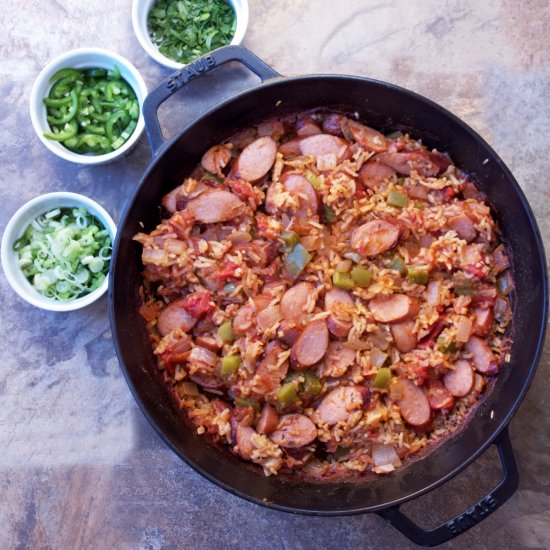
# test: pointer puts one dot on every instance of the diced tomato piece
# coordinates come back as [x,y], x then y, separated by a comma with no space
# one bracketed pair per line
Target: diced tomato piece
[198,303]
[360,190]
[227,272]
[475,271]
[439,396]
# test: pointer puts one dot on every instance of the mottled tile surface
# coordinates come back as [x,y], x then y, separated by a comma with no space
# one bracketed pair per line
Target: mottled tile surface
[79,465]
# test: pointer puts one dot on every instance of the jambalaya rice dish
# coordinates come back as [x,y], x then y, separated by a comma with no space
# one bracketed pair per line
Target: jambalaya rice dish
[326,300]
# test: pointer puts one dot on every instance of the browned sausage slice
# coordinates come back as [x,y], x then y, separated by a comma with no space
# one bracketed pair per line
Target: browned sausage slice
[338,359]
[170,200]
[174,316]
[243,438]
[294,301]
[483,321]
[325,144]
[464,227]
[300,188]
[268,421]
[374,237]
[395,307]
[373,174]
[256,159]
[293,431]
[425,163]
[338,326]
[332,124]
[404,336]
[215,206]
[339,403]
[216,159]
[482,356]
[268,375]
[460,380]
[245,317]
[311,344]
[306,126]
[370,139]
[290,148]
[414,404]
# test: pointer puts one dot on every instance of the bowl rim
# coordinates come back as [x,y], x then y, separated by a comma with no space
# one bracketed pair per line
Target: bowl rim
[141,8]
[64,60]
[22,217]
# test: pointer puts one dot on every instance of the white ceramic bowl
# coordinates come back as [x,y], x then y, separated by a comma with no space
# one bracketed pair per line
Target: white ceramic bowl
[79,59]
[141,9]
[17,225]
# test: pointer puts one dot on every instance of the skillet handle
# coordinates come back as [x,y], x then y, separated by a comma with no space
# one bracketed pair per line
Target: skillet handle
[485,506]
[196,68]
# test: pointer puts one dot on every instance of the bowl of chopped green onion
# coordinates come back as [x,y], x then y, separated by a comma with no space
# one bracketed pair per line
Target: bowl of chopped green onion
[86,106]
[56,251]
[175,32]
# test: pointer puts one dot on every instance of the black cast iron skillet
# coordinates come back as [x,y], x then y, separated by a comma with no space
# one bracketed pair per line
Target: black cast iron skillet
[385,107]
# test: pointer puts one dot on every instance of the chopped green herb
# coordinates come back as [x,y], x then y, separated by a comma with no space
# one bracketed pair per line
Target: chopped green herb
[184,30]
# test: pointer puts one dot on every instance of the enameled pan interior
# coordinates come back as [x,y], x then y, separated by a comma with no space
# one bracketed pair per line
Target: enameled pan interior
[387,108]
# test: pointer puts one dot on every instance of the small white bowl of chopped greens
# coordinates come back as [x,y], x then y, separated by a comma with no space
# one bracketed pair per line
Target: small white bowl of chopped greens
[56,251]
[86,104]
[176,32]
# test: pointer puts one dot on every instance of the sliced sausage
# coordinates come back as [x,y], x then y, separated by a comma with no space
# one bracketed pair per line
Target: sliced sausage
[290,148]
[483,321]
[288,332]
[243,438]
[170,201]
[439,397]
[325,144]
[393,307]
[464,227]
[294,301]
[246,315]
[215,206]
[425,163]
[216,159]
[404,336]
[311,344]
[174,316]
[332,124]
[339,403]
[414,404]
[336,325]
[256,159]
[460,380]
[370,139]
[337,360]
[273,128]
[374,237]
[269,374]
[373,174]
[299,187]
[268,421]
[293,431]
[482,357]
[306,126]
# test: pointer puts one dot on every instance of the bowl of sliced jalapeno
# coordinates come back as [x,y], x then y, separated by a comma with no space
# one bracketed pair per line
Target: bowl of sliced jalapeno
[86,106]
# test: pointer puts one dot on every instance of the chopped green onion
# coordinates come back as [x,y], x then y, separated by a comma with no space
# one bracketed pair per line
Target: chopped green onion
[329,216]
[230,364]
[418,274]
[342,280]
[63,253]
[397,199]
[290,238]
[361,276]
[225,332]
[382,378]
[247,402]
[398,264]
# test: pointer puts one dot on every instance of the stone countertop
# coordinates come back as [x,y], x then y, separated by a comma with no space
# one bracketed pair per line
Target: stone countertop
[80,467]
